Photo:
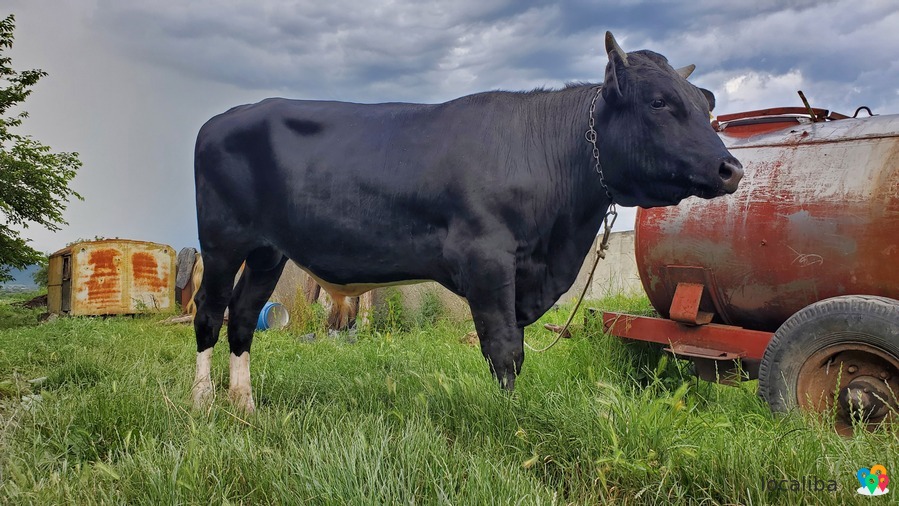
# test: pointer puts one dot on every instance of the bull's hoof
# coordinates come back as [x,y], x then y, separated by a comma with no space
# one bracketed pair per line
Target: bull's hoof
[202,394]
[242,399]
[507,383]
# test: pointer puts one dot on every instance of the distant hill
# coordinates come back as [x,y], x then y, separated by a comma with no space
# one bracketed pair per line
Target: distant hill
[22,278]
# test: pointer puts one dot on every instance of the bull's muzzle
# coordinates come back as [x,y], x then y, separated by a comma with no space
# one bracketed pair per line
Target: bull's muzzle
[731,172]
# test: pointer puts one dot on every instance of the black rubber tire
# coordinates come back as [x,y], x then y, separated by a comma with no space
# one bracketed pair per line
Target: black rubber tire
[868,319]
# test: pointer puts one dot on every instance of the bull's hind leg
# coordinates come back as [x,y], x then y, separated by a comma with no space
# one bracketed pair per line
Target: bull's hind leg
[211,300]
[261,274]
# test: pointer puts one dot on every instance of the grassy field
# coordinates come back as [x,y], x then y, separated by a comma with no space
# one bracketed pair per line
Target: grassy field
[391,416]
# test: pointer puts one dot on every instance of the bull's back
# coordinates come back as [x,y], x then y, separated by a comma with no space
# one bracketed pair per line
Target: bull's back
[355,193]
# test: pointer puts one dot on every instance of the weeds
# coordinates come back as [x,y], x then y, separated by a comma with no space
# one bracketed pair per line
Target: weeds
[12,316]
[305,317]
[391,315]
[430,311]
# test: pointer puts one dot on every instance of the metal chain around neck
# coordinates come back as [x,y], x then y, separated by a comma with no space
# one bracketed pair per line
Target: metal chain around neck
[592,137]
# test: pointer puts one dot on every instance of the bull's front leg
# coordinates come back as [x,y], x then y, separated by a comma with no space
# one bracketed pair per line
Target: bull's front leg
[501,345]
[491,296]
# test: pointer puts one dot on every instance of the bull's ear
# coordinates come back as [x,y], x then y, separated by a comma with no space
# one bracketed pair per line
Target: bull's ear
[710,97]
[612,86]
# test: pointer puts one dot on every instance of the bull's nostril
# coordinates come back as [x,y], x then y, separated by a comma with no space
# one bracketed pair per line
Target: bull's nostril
[726,171]
[731,172]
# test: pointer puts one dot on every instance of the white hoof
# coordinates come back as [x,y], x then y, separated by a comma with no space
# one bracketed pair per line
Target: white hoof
[242,399]
[203,393]
[240,392]
[203,390]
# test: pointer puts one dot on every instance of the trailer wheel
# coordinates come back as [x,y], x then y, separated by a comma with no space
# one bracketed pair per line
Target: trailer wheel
[838,353]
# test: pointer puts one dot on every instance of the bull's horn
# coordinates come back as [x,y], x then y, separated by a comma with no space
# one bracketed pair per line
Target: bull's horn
[612,45]
[686,71]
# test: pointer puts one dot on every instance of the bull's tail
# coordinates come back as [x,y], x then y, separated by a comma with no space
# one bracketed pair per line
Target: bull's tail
[196,279]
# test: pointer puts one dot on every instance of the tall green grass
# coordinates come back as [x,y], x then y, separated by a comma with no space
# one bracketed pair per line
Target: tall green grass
[404,414]
[12,316]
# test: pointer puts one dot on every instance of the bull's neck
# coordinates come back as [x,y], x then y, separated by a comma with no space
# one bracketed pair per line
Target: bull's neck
[573,203]
[557,122]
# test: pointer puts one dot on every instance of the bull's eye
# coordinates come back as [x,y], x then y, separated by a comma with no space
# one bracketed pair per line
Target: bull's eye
[657,103]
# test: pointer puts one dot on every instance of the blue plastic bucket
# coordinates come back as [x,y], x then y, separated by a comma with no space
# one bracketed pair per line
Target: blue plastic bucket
[272,316]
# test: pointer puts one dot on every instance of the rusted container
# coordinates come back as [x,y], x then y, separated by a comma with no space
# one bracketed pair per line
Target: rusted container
[110,277]
[816,216]
[795,277]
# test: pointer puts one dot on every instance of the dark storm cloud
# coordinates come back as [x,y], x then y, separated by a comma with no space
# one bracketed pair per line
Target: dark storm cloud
[668,19]
[425,51]
[335,48]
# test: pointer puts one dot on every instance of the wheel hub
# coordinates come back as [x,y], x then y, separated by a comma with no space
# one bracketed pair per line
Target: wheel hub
[864,398]
[860,380]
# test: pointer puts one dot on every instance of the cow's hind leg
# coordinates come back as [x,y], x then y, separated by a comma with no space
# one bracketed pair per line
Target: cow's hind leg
[261,274]
[343,311]
[211,300]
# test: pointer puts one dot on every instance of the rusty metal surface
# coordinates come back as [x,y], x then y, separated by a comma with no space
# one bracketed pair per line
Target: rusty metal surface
[862,379]
[688,350]
[724,119]
[816,216]
[685,304]
[752,123]
[736,341]
[725,372]
[710,365]
[114,277]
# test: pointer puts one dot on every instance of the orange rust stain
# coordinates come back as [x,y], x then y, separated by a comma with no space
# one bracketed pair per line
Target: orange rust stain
[102,285]
[776,111]
[749,130]
[145,269]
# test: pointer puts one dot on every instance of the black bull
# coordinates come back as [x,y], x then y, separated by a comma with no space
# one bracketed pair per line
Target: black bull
[495,196]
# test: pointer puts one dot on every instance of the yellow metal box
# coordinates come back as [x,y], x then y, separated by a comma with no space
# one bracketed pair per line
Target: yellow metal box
[109,277]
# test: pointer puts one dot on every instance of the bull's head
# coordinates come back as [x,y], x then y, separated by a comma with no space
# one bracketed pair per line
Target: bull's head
[656,143]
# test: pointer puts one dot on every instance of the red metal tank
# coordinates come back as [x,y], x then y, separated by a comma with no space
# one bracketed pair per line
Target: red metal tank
[816,216]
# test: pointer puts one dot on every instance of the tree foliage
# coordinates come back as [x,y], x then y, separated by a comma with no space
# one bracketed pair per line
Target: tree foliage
[41,276]
[34,181]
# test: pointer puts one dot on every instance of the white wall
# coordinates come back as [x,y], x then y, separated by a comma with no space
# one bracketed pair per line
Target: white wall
[615,274]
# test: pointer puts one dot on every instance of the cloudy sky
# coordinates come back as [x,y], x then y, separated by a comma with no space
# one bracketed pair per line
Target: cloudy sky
[131,81]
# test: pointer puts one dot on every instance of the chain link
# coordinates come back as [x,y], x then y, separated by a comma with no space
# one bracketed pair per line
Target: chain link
[608,223]
[612,211]
[592,137]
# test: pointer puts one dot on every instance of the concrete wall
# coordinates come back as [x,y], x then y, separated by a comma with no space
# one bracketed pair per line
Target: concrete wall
[616,274]
[291,285]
